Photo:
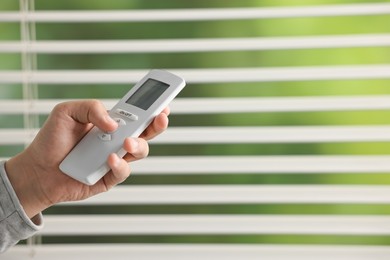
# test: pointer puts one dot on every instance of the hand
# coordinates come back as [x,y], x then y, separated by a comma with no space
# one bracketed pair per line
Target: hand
[35,173]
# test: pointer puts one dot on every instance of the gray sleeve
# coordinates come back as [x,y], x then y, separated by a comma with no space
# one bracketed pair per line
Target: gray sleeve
[15,225]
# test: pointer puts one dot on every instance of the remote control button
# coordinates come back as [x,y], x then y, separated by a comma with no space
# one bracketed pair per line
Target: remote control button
[127,114]
[105,137]
[120,121]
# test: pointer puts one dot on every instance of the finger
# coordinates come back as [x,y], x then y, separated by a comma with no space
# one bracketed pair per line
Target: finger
[136,148]
[120,171]
[159,125]
[166,111]
[92,111]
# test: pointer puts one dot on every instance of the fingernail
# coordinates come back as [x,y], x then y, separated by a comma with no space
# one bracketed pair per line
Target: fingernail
[113,124]
[110,120]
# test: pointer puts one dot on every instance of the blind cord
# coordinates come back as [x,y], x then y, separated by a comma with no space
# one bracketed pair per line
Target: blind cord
[30,90]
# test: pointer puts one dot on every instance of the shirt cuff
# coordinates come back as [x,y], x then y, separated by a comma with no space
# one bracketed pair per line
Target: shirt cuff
[12,215]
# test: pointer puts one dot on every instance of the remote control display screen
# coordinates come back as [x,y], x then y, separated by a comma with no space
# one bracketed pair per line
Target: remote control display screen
[147,94]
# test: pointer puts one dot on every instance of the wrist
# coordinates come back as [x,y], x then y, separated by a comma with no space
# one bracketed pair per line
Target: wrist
[26,184]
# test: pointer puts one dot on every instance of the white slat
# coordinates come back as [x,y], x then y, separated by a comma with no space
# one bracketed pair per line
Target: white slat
[196,14]
[198,45]
[227,105]
[243,135]
[262,164]
[278,104]
[284,134]
[203,75]
[235,194]
[199,251]
[215,224]
[16,136]
[316,164]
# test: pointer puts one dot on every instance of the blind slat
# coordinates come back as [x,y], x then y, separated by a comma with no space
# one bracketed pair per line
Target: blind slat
[196,14]
[202,251]
[278,104]
[227,105]
[232,194]
[203,75]
[273,164]
[198,45]
[215,224]
[243,135]
[311,164]
[284,134]
[16,136]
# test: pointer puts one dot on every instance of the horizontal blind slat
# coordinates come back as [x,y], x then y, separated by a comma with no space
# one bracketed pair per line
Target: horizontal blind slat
[311,164]
[243,135]
[284,134]
[227,105]
[278,104]
[16,136]
[196,14]
[230,75]
[273,164]
[215,224]
[201,251]
[236,194]
[198,45]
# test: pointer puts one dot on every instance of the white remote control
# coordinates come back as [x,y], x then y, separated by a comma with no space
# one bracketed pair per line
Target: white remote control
[87,162]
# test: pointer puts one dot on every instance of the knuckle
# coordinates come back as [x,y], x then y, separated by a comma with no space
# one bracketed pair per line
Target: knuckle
[94,102]
[60,107]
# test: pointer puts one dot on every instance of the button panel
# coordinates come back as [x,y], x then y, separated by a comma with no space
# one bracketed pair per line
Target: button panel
[106,136]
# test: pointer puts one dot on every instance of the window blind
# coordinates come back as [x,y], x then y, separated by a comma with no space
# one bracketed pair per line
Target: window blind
[277,149]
